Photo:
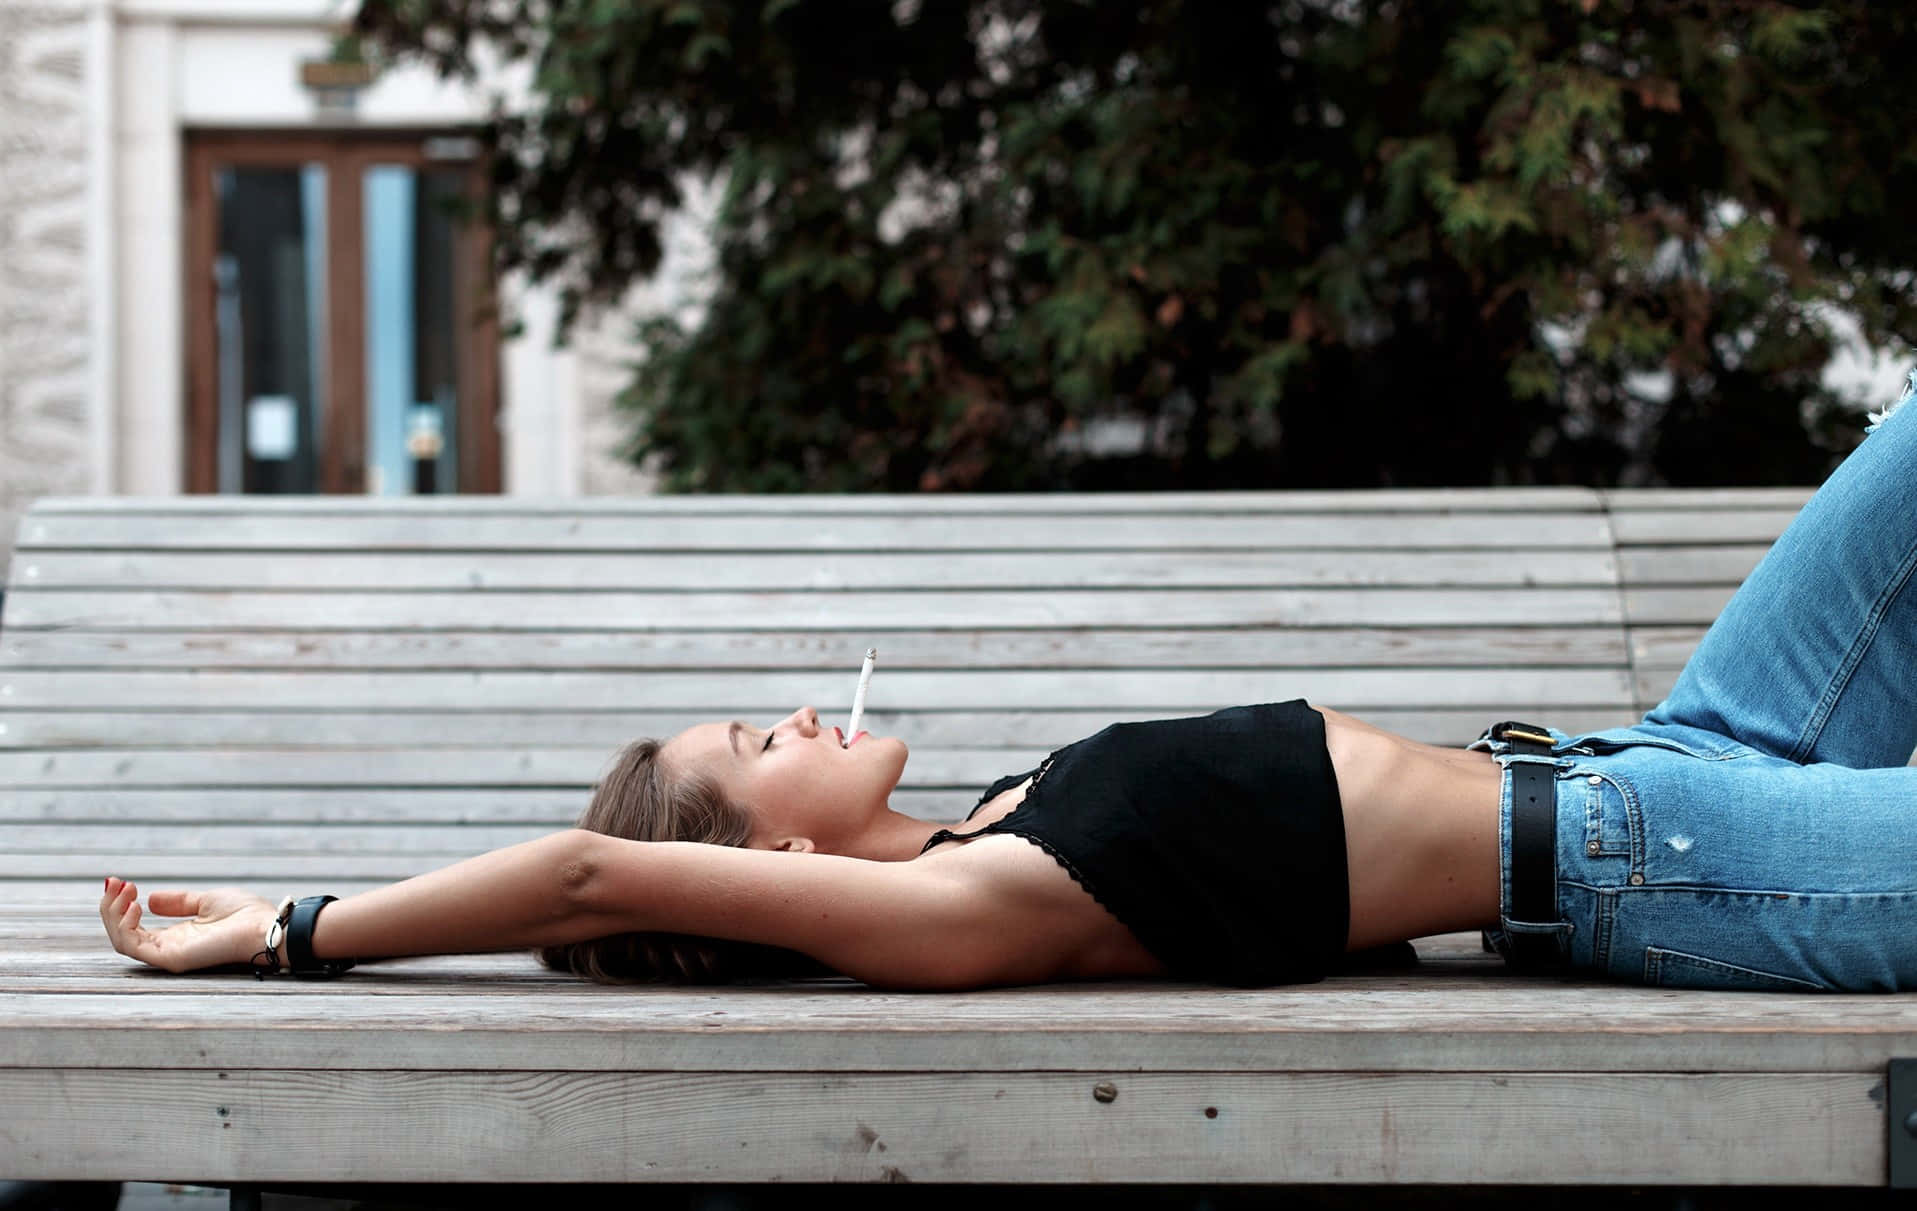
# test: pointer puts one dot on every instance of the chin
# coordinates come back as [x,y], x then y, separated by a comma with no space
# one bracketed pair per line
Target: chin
[900,755]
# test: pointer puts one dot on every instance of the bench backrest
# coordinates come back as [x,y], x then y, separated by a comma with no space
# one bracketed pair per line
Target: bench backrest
[364,688]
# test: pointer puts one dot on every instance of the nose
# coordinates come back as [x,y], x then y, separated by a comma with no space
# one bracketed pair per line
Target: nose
[805,721]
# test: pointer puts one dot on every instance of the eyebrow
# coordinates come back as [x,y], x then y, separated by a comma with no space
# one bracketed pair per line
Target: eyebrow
[732,736]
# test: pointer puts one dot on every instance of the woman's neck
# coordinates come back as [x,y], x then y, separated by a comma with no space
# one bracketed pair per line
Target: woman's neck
[891,837]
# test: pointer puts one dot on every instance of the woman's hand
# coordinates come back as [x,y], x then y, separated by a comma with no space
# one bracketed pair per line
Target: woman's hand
[228,926]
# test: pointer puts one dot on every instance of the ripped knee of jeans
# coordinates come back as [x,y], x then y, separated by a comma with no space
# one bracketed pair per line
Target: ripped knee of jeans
[1878,418]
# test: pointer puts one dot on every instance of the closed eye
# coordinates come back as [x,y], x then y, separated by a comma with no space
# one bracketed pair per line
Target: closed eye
[768,743]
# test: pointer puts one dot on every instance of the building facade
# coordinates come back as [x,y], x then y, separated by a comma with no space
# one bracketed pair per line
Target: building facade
[222,271]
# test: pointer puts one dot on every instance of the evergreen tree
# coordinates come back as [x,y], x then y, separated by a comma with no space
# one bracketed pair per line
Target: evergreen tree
[1318,243]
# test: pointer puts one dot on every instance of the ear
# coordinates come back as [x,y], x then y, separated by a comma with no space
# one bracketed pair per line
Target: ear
[794,845]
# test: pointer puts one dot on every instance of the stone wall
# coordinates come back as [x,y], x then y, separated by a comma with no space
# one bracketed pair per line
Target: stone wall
[608,350]
[44,443]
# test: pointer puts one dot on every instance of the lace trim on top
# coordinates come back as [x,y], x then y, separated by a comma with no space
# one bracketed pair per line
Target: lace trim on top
[946,834]
[1000,826]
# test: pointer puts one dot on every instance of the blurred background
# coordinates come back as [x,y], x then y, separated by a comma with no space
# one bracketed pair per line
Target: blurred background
[571,247]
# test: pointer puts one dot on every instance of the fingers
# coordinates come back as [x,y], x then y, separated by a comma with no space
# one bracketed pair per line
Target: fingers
[120,913]
[174,903]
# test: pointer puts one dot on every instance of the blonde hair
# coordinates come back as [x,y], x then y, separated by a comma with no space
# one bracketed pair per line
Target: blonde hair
[640,801]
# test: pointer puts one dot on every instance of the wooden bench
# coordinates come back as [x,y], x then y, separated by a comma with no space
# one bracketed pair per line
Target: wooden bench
[325,694]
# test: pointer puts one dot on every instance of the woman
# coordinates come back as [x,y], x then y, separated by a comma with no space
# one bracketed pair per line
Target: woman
[1757,829]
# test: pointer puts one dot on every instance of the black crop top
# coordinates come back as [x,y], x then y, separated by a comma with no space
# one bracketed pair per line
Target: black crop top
[1219,841]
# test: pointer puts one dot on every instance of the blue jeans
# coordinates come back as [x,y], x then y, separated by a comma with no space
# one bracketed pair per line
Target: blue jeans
[1758,828]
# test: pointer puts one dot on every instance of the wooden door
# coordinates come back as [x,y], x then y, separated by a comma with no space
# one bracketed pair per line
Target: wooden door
[341,325]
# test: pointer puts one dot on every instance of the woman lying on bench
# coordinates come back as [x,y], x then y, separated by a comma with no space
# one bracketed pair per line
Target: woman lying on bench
[1757,829]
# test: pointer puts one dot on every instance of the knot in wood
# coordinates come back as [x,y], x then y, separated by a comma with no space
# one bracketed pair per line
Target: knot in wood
[1105,1091]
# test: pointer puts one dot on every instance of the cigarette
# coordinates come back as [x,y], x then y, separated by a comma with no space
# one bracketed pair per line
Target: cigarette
[858,699]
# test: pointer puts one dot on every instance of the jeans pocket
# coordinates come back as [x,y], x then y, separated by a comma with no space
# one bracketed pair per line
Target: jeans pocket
[1675,969]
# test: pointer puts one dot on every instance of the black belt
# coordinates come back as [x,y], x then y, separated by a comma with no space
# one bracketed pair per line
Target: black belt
[1534,845]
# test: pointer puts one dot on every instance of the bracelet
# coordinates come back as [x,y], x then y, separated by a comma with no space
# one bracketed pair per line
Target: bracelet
[299,940]
[267,961]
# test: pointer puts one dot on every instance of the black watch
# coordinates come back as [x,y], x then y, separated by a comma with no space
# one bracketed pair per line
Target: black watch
[299,940]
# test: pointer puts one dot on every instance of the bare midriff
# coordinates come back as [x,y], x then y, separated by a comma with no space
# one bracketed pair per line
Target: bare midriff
[1421,832]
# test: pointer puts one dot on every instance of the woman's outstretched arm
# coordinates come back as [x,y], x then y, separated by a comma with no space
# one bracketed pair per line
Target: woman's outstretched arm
[970,920]
[516,898]
[894,924]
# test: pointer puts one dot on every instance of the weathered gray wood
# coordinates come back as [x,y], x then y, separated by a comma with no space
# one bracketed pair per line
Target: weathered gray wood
[1662,606]
[1654,683]
[486,767]
[898,530]
[954,1127]
[325,695]
[701,694]
[1625,500]
[1696,526]
[338,844]
[607,730]
[558,807]
[840,613]
[212,868]
[200,805]
[827,571]
[1387,500]
[1668,646]
[1437,1018]
[1084,647]
[1729,564]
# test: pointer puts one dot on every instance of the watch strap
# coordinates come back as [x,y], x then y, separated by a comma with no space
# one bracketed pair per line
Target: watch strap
[299,940]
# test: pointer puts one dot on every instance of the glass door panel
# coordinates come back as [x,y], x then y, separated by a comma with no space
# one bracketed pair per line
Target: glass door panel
[269,316]
[412,348]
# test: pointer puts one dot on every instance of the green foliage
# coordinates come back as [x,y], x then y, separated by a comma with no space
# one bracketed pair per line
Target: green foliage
[1311,243]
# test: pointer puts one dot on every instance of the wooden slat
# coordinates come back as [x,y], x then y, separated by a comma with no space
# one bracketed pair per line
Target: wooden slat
[159,844]
[1118,692]
[203,869]
[116,804]
[1385,500]
[1667,647]
[1449,1019]
[1687,527]
[548,807]
[1693,565]
[385,767]
[951,1127]
[784,532]
[510,729]
[823,572]
[1088,648]
[74,899]
[1626,500]
[839,613]
[1663,606]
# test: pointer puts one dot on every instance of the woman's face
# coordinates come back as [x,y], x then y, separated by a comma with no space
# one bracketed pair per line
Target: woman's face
[801,782]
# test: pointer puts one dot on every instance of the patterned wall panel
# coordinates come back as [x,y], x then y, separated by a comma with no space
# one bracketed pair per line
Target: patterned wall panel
[44,443]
